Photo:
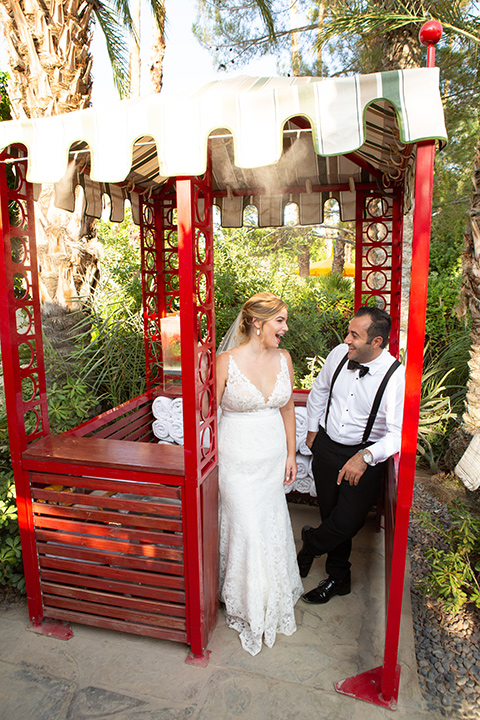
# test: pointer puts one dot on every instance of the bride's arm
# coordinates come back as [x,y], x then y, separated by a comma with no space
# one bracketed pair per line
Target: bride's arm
[222,374]
[288,416]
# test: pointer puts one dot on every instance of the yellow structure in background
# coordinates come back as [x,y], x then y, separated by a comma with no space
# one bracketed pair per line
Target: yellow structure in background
[324,267]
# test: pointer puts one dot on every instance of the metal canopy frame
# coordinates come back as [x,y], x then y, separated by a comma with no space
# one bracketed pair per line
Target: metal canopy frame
[174,558]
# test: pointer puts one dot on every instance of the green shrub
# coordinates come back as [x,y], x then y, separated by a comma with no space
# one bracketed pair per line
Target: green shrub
[319,309]
[454,576]
[11,568]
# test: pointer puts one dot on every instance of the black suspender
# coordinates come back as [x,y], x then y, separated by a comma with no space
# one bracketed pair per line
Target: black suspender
[378,397]
[335,375]
[376,402]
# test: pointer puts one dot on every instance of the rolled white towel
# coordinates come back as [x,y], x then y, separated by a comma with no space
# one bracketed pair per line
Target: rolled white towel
[160,407]
[304,466]
[304,485]
[175,427]
[176,408]
[301,429]
[161,429]
[303,449]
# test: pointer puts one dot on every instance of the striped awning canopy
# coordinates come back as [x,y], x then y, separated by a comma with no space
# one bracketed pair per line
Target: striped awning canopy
[273,141]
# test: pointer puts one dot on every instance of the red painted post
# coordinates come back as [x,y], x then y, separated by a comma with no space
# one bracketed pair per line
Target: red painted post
[381,685]
[359,213]
[11,339]
[396,280]
[191,499]
[413,386]
[429,34]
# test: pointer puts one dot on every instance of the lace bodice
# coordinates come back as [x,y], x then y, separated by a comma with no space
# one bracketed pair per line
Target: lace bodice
[241,395]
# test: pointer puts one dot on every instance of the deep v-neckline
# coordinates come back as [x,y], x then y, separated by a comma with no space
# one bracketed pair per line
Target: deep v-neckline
[266,401]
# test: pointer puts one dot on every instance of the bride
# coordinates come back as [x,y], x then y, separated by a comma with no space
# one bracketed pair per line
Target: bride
[259,578]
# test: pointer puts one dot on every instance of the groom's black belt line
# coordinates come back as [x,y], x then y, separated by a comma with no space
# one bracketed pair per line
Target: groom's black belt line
[358,446]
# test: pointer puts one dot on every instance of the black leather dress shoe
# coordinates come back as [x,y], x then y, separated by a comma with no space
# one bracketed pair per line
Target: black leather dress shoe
[326,590]
[305,558]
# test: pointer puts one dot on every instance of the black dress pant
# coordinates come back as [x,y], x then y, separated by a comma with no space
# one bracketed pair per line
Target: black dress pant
[344,507]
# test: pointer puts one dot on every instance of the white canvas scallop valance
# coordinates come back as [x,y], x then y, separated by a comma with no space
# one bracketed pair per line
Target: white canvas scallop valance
[254,110]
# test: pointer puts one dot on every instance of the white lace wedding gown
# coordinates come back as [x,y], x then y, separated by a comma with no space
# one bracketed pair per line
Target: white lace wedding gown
[259,578]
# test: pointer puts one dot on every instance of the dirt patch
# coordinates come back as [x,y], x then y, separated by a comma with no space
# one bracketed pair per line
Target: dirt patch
[10,596]
[446,487]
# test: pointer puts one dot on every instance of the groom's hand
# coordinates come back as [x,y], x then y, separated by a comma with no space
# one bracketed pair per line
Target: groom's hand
[353,470]
[311,435]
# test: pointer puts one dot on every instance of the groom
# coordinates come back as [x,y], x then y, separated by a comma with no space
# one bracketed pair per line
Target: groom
[354,414]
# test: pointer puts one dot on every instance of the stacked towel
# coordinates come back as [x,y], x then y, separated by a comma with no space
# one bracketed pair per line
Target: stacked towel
[168,424]
[161,430]
[176,429]
[301,435]
[304,466]
[176,408]
[304,482]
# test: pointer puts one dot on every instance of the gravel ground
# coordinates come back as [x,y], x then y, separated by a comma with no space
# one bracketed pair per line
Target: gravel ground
[447,646]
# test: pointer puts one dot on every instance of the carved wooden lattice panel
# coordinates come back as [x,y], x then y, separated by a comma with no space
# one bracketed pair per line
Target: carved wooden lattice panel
[159,257]
[205,315]
[22,346]
[378,255]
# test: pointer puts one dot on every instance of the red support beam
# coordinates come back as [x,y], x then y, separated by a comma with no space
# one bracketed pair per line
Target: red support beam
[22,355]
[413,388]
[380,686]
[191,414]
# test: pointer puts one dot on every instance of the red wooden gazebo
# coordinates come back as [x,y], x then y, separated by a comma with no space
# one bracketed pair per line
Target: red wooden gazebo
[117,530]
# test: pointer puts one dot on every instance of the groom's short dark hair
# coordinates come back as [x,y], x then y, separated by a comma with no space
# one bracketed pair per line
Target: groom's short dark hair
[380,325]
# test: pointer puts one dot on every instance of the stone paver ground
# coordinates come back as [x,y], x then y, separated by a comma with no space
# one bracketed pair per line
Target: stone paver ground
[105,675]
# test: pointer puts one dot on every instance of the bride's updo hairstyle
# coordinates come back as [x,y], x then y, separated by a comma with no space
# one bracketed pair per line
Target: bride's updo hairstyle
[263,306]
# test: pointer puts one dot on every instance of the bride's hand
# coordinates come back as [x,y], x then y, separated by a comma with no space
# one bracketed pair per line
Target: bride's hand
[290,471]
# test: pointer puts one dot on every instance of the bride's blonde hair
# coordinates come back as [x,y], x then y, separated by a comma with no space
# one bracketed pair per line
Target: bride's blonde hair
[262,307]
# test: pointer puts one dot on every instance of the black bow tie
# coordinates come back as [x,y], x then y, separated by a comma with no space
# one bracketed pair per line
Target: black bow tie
[354,365]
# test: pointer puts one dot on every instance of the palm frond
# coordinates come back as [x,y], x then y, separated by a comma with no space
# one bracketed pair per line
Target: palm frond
[368,18]
[121,10]
[158,11]
[265,8]
[116,47]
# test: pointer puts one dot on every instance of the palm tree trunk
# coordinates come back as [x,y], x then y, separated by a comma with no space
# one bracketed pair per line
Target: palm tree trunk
[338,257]
[158,54]
[50,73]
[294,39]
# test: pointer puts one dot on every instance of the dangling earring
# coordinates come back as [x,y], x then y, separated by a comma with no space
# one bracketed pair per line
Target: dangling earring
[258,331]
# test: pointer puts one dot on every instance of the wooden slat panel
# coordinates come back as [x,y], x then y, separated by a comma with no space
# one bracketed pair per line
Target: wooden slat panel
[111,624]
[112,503]
[68,451]
[123,574]
[109,415]
[74,604]
[142,605]
[151,522]
[156,593]
[121,427]
[143,435]
[98,483]
[113,531]
[96,556]
[113,546]
[138,427]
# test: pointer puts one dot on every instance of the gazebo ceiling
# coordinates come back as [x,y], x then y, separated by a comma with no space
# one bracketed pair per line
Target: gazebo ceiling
[272,140]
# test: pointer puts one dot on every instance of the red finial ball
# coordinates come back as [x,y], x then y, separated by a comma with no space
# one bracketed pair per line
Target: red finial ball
[430,33]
